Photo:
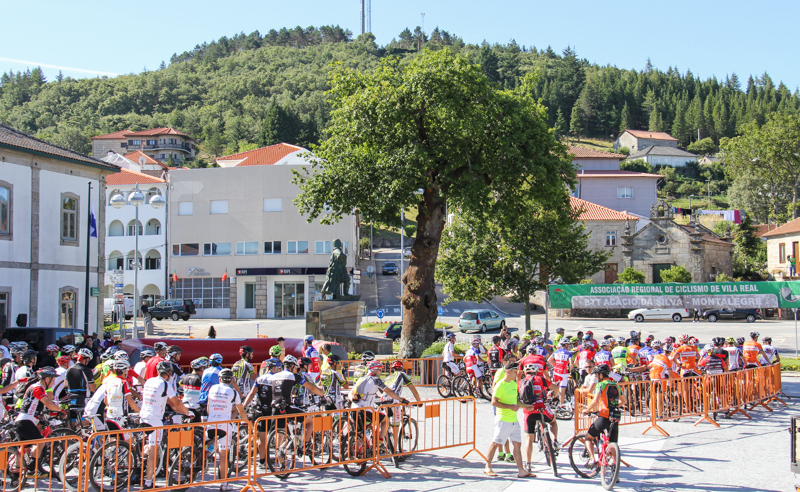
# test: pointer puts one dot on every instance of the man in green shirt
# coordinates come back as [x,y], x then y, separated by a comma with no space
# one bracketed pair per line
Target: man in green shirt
[505,397]
[558,337]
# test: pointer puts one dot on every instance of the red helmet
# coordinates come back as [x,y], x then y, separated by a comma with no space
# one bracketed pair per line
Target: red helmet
[64,359]
[397,365]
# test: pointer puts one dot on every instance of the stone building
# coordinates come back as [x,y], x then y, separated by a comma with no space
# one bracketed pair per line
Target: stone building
[663,243]
[636,140]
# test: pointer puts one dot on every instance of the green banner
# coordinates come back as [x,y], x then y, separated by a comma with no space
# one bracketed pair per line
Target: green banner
[660,296]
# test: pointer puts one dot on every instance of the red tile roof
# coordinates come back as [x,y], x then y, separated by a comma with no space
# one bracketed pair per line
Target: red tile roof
[126,176]
[135,155]
[153,132]
[15,139]
[792,227]
[264,156]
[593,211]
[108,136]
[762,229]
[651,135]
[584,153]
[616,174]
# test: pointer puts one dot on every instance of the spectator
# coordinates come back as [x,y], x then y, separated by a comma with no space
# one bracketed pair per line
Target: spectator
[212,333]
[792,267]
[281,341]
[145,311]
[506,398]
[696,316]
[89,343]
[4,352]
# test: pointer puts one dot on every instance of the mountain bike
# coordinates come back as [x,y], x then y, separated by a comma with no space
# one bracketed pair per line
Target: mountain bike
[407,437]
[545,441]
[444,383]
[606,453]
[285,446]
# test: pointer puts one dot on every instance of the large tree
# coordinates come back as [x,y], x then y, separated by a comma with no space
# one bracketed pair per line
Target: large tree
[435,125]
[514,256]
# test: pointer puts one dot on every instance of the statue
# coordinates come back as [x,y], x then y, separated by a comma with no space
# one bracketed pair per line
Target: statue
[337,282]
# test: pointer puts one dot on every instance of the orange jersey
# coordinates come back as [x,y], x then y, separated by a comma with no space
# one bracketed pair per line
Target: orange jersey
[751,350]
[687,356]
[661,367]
[633,355]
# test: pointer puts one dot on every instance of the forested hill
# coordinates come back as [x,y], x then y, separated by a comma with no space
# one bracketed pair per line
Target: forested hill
[249,90]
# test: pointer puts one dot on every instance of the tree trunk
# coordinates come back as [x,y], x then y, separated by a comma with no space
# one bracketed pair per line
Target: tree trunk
[419,288]
[527,313]
[794,199]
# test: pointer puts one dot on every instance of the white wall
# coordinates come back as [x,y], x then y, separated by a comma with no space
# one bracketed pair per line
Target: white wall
[19,281]
[20,248]
[596,164]
[603,191]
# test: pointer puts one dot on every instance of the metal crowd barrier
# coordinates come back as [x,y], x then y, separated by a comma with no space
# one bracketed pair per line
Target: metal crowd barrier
[17,458]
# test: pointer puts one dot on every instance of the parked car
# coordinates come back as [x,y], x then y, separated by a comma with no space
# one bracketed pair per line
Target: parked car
[390,268]
[481,320]
[407,253]
[395,329]
[676,314]
[40,337]
[173,308]
[750,315]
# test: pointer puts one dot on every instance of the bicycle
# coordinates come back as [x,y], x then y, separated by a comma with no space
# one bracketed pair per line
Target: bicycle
[545,441]
[444,383]
[192,463]
[407,436]
[607,457]
[293,445]
[467,385]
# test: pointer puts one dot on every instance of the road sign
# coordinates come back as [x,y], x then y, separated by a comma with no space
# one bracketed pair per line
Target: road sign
[119,285]
[356,281]
[170,290]
[356,271]
[380,313]
[370,269]
[440,311]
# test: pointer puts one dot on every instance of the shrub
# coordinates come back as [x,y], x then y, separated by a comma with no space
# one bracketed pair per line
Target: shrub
[677,273]
[587,281]
[411,230]
[437,348]
[631,276]
[723,278]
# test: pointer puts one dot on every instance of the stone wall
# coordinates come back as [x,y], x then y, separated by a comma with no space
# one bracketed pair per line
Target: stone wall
[261,297]
[101,147]
[717,258]
[597,242]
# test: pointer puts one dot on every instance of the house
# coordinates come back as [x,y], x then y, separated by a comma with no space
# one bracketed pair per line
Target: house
[594,160]
[663,243]
[46,234]
[664,156]
[238,245]
[605,228]
[636,140]
[158,143]
[708,160]
[783,242]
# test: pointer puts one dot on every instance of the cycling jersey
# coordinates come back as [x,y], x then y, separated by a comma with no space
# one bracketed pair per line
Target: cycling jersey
[661,367]
[78,377]
[771,352]
[620,356]
[151,368]
[472,356]
[584,356]
[140,368]
[312,354]
[447,353]
[539,350]
[191,384]
[366,388]
[283,384]
[264,392]
[116,390]
[609,393]
[496,354]
[155,394]
[686,355]
[32,406]
[23,373]
[396,381]
[646,354]
[594,343]
[210,378]
[540,385]
[603,358]
[332,382]
[243,371]
[633,355]
[359,371]
[177,374]
[751,349]
[715,361]
[562,359]
[535,359]
[733,358]
[221,399]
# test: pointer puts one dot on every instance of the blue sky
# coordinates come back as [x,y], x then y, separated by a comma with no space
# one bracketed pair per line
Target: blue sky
[708,37]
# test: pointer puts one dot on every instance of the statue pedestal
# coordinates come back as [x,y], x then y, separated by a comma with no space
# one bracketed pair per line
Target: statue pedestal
[340,321]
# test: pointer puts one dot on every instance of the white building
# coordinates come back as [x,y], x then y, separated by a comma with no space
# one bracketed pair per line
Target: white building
[656,155]
[44,221]
[241,219]
[121,240]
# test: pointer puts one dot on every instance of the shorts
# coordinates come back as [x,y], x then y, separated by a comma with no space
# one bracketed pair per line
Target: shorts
[689,373]
[531,419]
[281,423]
[475,370]
[453,368]
[601,424]
[222,433]
[617,377]
[561,379]
[153,438]
[395,416]
[751,366]
[117,425]
[27,430]
[503,431]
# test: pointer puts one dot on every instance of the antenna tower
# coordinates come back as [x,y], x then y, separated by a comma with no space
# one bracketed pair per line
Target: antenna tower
[369,15]
[362,16]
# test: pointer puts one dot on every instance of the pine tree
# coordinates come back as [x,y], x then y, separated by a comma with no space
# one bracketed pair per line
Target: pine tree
[655,120]
[679,129]
[624,118]
[576,125]
[561,124]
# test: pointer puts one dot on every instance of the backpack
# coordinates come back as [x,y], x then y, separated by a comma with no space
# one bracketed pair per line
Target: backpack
[494,357]
[19,391]
[527,393]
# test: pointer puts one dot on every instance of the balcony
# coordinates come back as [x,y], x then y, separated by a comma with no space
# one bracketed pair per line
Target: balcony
[179,146]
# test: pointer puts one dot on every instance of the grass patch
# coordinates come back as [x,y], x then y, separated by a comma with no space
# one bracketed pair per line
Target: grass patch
[717,203]
[381,327]
[790,364]
[592,143]
[390,232]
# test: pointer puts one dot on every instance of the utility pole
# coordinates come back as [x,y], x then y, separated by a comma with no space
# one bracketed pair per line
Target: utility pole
[362,16]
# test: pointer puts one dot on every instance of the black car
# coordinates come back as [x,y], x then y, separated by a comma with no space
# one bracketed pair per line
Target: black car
[395,329]
[750,315]
[390,268]
[173,308]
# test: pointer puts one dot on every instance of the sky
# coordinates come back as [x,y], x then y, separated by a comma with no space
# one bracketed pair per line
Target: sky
[711,38]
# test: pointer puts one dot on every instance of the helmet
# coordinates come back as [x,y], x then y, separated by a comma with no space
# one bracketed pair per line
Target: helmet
[669,340]
[308,338]
[85,353]
[605,342]
[538,340]
[634,334]
[110,351]
[146,353]
[305,361]
[477,338]
[451,335]
[564,342]
[667,347]
[28,356]
[199,363]
[15,350]
[587,337]
[590,333]
[708,347]
[601,369]
[730,340]
[531,349]
[573,340]
[526,337]
[174,349]
[767,339]
[104,357]
[620,339]
[536,333]
[64,359]
[225,376]
[531,368]
[274,363]
[120,355]
[215,359]
[587,345]
[159,346]
[107,336]
[366,356]
[740,340]
[683,338]
[164,367]
[333,359]
[559,330]
[245,349]
[718,341]
[375,366]
[656,343]
[121,364]
[398,365]
[52,347]
[693,340]
[68,349]
[650,338]
[289,360]
[275,351]
[47,372]
[754,334]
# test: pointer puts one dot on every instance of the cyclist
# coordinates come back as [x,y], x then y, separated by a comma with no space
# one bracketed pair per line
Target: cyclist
[539,348]
[752,351]
[25,371]
[191,384]
[70,351]
[395,382]
[80,383]
[117,392]
[474,362]
[210,377]
[222,400]
[141,367]
[274,353]
[10,370]
[606,402]
[363,395]
[332,381]
[590,337]
[561,361]
[770,351]
[687,355]
[50,354]
[60,384]
[538,409]
[584,355]
[532,357]
[263,389]
[361,370]
[243,369]
[34,403]
[603,357]
[283,385]
[716,360]
[151,371]
[523,347]
[558,337]
[620,356]
[173,357]
[324,353]
[449,355]
[156,394]
[495,354]
[310,352]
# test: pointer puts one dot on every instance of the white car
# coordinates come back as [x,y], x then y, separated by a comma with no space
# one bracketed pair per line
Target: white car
[675,314]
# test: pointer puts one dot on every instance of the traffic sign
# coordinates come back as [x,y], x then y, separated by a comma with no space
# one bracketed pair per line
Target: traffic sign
[119,285]
[440,311]
[357,281]
[356,271]
[380,313]
[370,269]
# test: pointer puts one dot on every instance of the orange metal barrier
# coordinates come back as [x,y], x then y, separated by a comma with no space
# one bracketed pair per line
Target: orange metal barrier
[24,466]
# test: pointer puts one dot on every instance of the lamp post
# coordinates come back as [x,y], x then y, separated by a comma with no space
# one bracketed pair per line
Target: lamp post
[136,199]
[708,182]
[690,201]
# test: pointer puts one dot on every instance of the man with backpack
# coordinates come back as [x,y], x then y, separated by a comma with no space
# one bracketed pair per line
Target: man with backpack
[496,354]
[80,382]
[243,369]
[533,391]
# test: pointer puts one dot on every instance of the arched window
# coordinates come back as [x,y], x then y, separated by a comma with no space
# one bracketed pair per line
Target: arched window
[132,229]
[67,316]
[152,261]
[130,259]
[116,228]
[116,260]
[153,227]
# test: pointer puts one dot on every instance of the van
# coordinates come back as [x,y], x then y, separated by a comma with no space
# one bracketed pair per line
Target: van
[173,308]
[111,309]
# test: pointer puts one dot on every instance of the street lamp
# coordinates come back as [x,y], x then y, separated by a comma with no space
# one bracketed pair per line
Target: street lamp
[708,182]
[136,199]
[690,201]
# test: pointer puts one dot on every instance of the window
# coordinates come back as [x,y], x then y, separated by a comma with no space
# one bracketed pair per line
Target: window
[186,249]
[66,317]
[611,238]
[247,248]
[346,247]
[322,248]
[152,263]
[184,208]
[272,205]
[272,248]
[297,247]
[624,191]
[782,253]
[207,293]
[134,142]
[151,142]
[4,303]
[216,249]
[70,211]
[132,228]
[219,206]
[6,194]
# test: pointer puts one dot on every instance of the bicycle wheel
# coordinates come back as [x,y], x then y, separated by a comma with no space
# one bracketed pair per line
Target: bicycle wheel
[69,467]
[355,448]
[486,388]
[444,386]
[283,456]
[110,467]
[408,435]
[14,475]
[182,469]
[609,466]
[52,452]
[549,451]
[462,387]
[579,456]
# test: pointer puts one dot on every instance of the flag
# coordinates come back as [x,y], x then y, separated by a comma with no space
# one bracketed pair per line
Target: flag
[225,275]
[92,221]
[174,276]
